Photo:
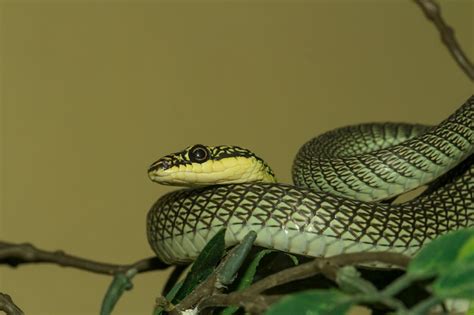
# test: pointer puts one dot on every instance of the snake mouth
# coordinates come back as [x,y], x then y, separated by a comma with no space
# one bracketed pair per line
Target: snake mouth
[155,171]
[156,166]
[163,172]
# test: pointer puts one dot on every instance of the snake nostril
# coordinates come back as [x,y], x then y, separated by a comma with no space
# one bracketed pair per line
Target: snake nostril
[155,166]
[158,165]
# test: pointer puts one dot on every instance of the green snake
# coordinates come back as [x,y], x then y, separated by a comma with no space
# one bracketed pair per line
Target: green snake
[342,180]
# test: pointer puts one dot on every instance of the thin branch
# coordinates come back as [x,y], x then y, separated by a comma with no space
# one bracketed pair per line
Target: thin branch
[253,304]
[7,305]
[433,12]
[327,266]
[253,300]
[208,287]
[17,254]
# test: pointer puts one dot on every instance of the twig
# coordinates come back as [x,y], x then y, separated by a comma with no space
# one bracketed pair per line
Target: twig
[327,266]
[220,277]
[253,304]
[433,12]
[253,300]
[7,305]
[424,306]
[388,301]
[206,288]
[17,254]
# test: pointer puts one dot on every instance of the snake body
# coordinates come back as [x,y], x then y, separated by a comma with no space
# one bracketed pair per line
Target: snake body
[332,208]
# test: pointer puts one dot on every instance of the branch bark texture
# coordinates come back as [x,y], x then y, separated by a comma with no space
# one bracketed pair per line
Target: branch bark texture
[7,305]
[433,12]
[17,254]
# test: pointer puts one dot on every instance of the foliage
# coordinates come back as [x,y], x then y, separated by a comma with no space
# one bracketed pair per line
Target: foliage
[443,269]
[203,266]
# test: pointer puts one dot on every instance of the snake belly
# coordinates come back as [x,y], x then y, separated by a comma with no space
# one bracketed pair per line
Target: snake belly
[333,208]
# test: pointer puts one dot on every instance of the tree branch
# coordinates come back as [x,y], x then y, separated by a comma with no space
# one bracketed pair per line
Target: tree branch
[327,266]
[17,254]
[433,12]
[7,305]
[253,300]
[253,304]
[205,294]
[208,287]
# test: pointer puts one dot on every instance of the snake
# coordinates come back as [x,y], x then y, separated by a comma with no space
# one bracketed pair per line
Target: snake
[345,181]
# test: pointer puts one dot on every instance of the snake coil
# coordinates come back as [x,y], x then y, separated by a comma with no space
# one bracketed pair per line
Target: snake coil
[332,208]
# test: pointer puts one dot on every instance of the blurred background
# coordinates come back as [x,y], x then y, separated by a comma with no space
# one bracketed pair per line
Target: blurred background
[92,92]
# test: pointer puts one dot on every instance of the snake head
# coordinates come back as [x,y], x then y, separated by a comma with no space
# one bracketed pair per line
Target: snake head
[201,165]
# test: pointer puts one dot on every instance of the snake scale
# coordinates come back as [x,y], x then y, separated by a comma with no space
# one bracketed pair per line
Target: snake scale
[337,203]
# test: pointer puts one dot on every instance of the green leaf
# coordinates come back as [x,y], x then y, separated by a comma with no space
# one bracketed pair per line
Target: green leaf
[251,270]
[458,283]
[235,258]
[170,296]
[203,266]
[312,302]
[349,280]
[174,290]
[293,258]
[467,251]
[120,283]
[437,256]
[247,278]
[275,261]
[471,308]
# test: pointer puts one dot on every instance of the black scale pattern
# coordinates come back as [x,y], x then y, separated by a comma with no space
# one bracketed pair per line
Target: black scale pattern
[378,161]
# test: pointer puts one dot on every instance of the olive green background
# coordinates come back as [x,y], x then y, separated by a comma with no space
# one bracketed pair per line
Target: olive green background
[93,92]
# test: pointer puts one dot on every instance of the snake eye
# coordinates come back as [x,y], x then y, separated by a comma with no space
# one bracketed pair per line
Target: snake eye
[199,153]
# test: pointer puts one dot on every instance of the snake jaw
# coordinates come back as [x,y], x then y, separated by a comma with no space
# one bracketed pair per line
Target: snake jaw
[161,173]
[156,170]
[228,171]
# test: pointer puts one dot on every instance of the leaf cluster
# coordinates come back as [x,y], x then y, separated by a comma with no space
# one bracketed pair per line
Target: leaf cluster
[246,279]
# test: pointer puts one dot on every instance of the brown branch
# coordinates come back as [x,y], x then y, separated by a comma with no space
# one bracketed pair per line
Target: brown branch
[7,305]
[17,254]
[327,266]
[207,294]
[252,299]
[208,287]
[253,304]
[433,12]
